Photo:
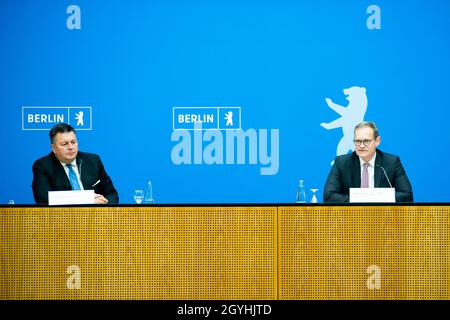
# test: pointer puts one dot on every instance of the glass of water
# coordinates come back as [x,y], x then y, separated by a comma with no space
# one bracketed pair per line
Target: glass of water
[138,196]
[314,198]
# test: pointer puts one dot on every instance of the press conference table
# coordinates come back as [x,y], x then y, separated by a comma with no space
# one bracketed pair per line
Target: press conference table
[269,252]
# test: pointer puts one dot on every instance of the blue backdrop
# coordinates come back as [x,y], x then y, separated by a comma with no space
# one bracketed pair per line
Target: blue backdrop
[133,61]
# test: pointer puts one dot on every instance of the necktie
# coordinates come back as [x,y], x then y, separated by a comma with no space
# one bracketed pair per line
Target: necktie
[73,178]
[365,176]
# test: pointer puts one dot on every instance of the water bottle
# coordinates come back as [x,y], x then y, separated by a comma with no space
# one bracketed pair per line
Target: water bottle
[301,194]
[149,194]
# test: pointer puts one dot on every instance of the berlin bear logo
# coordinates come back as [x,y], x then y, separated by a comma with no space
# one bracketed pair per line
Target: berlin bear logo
[350,117]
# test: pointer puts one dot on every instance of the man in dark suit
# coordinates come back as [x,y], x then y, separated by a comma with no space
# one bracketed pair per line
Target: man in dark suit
[67,169]
[367,167]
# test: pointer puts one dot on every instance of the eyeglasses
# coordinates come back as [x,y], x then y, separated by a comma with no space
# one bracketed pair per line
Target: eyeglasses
[365,142]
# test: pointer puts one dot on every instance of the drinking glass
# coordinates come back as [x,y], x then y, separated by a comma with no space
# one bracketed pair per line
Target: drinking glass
[138,196]
[314,198]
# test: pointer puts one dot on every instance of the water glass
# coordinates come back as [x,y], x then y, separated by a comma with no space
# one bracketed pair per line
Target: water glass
[138,196]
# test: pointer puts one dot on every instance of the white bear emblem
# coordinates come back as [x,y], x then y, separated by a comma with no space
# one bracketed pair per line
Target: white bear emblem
[350,117]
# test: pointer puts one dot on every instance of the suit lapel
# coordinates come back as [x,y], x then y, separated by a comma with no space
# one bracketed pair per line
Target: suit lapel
[378,174]
[60,174]
[356,171]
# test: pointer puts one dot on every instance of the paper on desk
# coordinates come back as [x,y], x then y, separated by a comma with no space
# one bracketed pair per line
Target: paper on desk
[71,197]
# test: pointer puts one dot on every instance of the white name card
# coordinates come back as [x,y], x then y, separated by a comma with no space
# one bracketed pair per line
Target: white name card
[71,197]
[358,195]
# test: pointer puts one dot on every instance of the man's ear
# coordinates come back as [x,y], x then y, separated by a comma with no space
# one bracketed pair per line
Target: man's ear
[377,141]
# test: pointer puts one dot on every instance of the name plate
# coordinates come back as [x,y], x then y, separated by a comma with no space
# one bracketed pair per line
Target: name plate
[71,197]
[358,195]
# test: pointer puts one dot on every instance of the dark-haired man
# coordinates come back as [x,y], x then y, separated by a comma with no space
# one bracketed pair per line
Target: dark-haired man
[67,169]
[367,167]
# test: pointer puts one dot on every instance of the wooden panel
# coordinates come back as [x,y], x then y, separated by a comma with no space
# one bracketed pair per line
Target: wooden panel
[138,253]
[345,252]
[310,252]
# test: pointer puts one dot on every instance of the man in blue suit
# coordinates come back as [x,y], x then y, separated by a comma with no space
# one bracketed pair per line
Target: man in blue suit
[67,169]
[367,167]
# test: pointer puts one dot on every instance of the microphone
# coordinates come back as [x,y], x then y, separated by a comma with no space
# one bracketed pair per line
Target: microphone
[385,174]
[79,169]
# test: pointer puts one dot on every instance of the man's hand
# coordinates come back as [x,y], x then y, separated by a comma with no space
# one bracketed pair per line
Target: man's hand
[99,199]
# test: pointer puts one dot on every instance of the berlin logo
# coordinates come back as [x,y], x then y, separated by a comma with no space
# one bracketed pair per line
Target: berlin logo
[213,136]
[44,118]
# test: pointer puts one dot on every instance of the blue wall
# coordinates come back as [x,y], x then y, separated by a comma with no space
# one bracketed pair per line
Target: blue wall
[133,61]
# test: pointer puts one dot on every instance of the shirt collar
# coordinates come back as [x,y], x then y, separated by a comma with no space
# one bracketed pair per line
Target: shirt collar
[73,163]
[371,162]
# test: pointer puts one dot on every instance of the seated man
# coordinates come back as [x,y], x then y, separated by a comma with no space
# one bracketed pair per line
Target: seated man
[367,167]
[67,169]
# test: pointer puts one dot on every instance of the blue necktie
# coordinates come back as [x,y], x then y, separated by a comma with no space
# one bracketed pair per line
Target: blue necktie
[73,178]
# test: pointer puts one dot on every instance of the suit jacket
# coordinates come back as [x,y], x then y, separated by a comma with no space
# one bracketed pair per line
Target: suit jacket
[49,175]
[346,174]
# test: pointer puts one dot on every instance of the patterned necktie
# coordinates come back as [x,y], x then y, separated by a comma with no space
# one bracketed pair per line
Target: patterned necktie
[365,176]
[73,178]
